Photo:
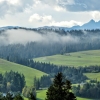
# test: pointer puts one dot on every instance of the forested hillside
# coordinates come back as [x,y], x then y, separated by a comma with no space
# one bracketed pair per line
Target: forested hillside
[42,43]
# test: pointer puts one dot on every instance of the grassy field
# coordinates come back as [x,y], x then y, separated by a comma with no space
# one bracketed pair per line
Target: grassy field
[29,73]
[41,95]
[78,98]
[83,58]
[93,76]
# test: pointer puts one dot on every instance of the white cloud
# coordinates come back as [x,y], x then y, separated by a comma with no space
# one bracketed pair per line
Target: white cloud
[66,2]
[13,1]
[66,23]
[42,19]
[96,15]
[48,20]
[50,2]
[81,5]
[74,5]
[34,17]
[14,6]
[58,8]
[1,1]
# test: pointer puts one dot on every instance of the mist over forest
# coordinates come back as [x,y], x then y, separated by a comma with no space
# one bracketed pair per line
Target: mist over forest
[22,36]
[31,43]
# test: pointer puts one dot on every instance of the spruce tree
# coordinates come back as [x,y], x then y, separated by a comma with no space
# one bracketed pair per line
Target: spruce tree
[60,89]
[31,96]
[18,97]
[9,96]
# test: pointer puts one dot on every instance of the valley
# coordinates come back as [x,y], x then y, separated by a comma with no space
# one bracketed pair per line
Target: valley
[75,53]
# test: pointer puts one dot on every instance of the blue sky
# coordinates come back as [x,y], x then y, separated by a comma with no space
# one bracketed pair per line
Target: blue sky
[37,13]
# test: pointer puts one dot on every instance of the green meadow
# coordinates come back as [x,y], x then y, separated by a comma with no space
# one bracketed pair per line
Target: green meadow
[93,76]
[28,72]
[82,58]
[41,95]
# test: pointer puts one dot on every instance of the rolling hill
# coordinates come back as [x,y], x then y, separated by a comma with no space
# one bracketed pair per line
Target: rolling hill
[83,58]
[28,72]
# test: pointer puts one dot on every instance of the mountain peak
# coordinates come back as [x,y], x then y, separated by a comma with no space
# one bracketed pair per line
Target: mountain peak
[91,21]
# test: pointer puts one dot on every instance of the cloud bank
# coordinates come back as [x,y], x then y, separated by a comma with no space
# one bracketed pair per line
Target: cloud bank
[96,15]
[14,6]
[74,5]
[21,36]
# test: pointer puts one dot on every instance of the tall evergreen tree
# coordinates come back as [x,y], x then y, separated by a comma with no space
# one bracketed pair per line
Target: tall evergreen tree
[31,96]
[36,83]
[18,97]
[9,96]
[60,89]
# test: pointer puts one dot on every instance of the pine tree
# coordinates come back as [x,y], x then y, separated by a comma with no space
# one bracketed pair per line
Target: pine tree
[9,96]
[60,89]
[31,96]
[18,97]
[36,83]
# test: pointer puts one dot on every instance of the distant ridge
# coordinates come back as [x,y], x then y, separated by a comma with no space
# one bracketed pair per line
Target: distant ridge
[89,25]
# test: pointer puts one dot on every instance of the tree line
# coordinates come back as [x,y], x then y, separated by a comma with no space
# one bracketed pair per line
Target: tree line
[17,96]
[88,90]
[12,81]
[44,82]
[34,49]
[73,74]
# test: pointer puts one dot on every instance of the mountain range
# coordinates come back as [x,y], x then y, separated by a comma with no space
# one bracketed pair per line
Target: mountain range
[89,25]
